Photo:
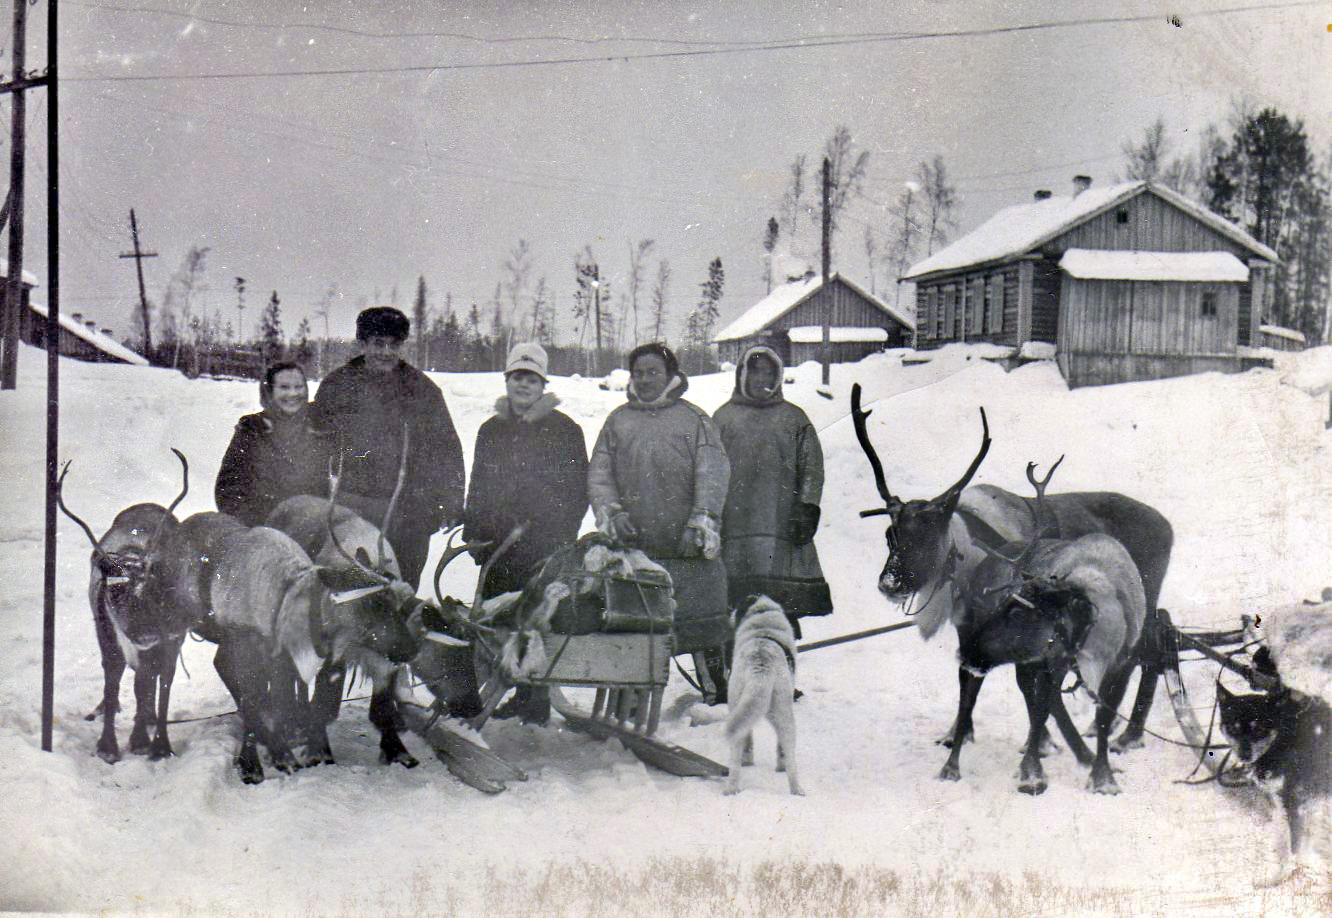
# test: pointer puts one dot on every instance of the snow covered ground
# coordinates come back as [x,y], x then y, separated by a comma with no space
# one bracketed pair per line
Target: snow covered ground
[1242,466]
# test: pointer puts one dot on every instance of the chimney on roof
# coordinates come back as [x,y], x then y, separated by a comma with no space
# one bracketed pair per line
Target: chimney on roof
[108,332]
[1080,184]
[91,323]
[77,317]
[1042,194]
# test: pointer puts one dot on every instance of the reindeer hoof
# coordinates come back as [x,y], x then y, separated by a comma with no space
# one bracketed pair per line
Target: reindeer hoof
[730,790]
[1127,741]
[160,751]
[950,772]
[110,755]
[318,757]
[797,791]
[1034,787]
[140,744]
[1103,785]
[285,762]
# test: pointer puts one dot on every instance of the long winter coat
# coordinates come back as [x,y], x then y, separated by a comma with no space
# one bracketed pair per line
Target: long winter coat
[531,468]
[366,411]
[661,463]
[271,457]
[776,463]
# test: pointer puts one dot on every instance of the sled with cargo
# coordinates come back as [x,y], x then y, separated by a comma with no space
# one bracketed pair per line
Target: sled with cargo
[598,619]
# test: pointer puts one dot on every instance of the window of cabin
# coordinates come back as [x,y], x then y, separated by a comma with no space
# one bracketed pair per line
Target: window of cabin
[978,301]
[1121,216]
[1208,308]
[931,309]
[996,286]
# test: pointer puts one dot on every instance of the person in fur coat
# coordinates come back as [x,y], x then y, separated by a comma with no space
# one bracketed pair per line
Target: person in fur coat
[530,466]
[274,454]
[772,506]
[658,481]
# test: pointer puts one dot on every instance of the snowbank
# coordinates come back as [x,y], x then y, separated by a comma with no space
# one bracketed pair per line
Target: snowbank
[1309,371]
[1237,463]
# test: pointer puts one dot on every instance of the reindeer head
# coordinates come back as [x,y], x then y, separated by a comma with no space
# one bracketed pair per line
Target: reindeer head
[124,589]
[917,533]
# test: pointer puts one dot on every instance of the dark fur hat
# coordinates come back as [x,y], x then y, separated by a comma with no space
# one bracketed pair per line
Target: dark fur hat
[657,349]
[382,322]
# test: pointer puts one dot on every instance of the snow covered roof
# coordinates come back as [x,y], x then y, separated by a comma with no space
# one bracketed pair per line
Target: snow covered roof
[1018,229]
[1277,331]
[787,297]
[1093,264]
[28,277]
[813,334]
[98,340]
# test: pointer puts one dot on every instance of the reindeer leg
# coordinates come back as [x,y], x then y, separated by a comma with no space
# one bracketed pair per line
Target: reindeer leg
[145,703]
[1069,730]
[322,711]
[166,674]
[113,668]
[1037,684]
[949,738]
[233,677]
[384,715]
[970,685]
[1110,693]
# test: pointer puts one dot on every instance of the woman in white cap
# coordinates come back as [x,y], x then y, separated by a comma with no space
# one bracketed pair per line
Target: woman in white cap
[530,467]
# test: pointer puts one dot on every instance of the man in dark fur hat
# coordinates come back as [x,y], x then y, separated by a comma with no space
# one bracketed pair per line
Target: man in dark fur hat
[366,404]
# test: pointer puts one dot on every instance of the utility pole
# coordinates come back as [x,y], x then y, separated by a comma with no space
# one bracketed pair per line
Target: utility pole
[14,276]
[826,354]
[138,257]
[240,312]
[596,309]
[322,311]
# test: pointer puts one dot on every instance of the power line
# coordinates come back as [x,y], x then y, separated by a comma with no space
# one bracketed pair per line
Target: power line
[780,45]
[462,36]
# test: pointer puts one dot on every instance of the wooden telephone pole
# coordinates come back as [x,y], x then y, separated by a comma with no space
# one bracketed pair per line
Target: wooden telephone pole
[13,302]
[826,351]
[138,257]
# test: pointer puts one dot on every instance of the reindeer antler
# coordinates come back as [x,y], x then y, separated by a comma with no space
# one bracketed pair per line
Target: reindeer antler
[184,489]
[1040,487]
[397,490]
[862,434]
[335,482]
[953,493]
[451,551]
[60,502]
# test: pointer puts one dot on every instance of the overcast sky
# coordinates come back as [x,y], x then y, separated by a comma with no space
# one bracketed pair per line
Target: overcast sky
[460,143]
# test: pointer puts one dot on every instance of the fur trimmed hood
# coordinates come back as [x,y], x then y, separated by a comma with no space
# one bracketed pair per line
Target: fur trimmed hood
[765,619]
[674,391]
[741,395]
[542,407]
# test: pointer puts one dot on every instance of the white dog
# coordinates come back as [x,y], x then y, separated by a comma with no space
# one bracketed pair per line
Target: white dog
[762,684]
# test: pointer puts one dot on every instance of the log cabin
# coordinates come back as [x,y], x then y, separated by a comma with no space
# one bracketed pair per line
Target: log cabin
[1128,282]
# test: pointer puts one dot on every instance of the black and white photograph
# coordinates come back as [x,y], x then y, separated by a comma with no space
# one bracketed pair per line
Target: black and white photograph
[618,458]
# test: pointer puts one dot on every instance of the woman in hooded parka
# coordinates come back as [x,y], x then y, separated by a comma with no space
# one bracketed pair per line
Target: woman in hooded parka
[772,507]
[274,454]
[657,481]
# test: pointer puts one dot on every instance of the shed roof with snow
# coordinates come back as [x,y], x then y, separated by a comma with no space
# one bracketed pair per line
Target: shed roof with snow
[1101,264]
[103,343]
[791,295]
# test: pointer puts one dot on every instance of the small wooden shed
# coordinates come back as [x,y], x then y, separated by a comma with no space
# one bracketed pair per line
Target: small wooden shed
[1129,282]
[790,321]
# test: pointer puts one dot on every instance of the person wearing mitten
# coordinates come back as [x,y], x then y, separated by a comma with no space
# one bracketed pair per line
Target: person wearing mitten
[657,481]
[772,506]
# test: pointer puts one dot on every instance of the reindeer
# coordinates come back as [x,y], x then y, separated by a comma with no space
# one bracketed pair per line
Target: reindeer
[1057,605]
[337,539]
[275,616]
[129,629]
[934,545]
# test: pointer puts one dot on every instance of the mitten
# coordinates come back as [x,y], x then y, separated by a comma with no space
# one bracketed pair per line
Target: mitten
[702,536]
